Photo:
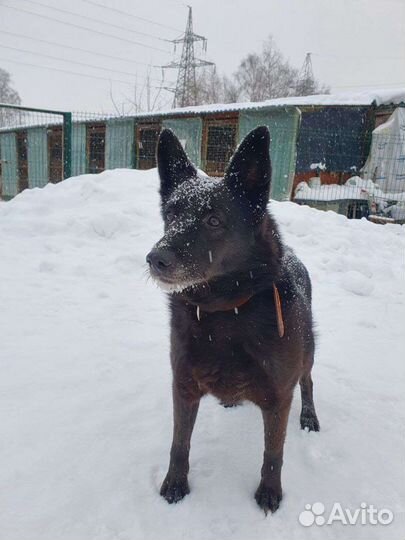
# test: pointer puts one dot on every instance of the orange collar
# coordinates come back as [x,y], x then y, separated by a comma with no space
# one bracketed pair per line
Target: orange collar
[279,311]
[245,299]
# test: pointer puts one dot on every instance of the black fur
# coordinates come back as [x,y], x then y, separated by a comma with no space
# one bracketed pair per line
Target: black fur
[223,247]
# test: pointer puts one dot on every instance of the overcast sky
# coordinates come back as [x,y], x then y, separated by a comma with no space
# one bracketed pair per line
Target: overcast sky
[355,43]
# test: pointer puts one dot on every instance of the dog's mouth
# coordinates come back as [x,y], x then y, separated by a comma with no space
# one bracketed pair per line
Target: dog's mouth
[176,285]
[171,275]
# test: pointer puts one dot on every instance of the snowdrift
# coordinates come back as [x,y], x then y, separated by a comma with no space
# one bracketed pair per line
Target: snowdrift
[85,385]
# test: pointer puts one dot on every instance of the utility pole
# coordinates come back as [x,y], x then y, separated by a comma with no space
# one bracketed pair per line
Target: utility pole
[185,93]
[306,82]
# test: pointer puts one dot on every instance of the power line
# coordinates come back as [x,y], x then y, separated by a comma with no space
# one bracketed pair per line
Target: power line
[84,28]
[109,79]
[73,61]
[54,43]
[92,19]
[64,60]
[131,15]
[321,55]
[66,71]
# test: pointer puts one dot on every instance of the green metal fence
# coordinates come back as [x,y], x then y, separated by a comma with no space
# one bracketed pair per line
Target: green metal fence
[35,147]
[38,146]
[283,124]
[120,143]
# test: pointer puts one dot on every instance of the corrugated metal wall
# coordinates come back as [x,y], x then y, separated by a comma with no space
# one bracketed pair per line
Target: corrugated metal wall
[78,149]
[119,151]
[283,125]
[190,131]
[37,145]
[8,155]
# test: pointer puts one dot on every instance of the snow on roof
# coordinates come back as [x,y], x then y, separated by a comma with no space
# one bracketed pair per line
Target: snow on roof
[386,96]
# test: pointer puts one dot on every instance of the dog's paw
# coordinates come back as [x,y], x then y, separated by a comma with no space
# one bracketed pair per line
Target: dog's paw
[309,421]
[173,489]
[268,498]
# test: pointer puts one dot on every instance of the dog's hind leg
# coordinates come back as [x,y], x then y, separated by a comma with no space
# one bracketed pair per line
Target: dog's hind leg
[308,418]
[175,485]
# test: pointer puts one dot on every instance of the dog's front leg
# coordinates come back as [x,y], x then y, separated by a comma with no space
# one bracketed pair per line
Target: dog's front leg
[175,485]
[269,492]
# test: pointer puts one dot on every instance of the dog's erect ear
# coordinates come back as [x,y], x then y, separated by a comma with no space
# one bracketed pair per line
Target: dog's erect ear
[173,164]
[249,170]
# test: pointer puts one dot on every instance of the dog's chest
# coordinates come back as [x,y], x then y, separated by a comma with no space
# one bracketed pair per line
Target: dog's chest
[226,354]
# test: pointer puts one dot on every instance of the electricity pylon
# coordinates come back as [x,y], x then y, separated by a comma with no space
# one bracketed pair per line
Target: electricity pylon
[306,82]
[185,93]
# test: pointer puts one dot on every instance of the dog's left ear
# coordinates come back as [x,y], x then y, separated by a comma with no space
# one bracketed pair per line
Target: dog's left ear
[250,168]
[173,164]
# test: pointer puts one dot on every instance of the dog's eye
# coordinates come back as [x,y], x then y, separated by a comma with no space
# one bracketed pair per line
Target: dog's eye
[170,215]
[213,221]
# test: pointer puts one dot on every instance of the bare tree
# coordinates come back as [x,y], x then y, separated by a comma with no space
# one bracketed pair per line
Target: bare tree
[7,92]
[308,86]
[208,86]
[260,76]
[7,95]
[215,88]
[145,97]
[266,75]
[231,90]
[269,75]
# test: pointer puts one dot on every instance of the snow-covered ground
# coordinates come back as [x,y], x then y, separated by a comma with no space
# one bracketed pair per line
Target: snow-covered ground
[85,378]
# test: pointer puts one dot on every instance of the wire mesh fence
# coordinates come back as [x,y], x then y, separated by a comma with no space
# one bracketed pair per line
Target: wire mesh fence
[361,175]
[35,148]
[356,172]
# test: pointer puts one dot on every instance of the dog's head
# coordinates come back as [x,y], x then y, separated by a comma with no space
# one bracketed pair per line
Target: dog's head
[212,226]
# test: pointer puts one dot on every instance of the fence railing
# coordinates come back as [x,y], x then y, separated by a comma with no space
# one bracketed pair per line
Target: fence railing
[30,138]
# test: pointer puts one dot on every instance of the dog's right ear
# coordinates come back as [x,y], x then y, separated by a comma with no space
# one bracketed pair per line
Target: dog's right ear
[174,167]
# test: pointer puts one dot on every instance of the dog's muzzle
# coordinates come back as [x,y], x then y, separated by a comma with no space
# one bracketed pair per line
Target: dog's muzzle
[160,261]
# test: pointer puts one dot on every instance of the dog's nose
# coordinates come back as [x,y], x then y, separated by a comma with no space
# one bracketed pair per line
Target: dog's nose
[160,260]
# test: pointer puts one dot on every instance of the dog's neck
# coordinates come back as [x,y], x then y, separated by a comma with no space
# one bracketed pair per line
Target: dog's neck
[228,292]
[231,294]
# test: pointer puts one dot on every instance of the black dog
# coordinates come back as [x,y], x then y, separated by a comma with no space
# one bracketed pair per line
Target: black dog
[241,323]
